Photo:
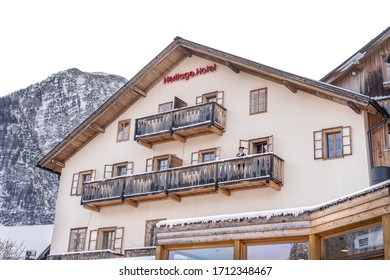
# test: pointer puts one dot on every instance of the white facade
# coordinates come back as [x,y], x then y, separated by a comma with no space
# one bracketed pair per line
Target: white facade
[291,119]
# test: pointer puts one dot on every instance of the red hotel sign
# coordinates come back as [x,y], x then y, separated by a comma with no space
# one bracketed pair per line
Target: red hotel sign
[190,74]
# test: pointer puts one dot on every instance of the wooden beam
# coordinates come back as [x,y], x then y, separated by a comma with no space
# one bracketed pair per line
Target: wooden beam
[223,191]
[186,51]
[147,145]
[216,130]
[232,66]
[92,207]
[139,91]
[354,107]
[174,197]
[290,86]
[178,137]
[131,202]
[97,127]
[386,235]
[273,185]
[58,163]
[314,247]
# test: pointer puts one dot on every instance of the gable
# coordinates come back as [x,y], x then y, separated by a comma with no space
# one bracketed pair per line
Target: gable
[164,67]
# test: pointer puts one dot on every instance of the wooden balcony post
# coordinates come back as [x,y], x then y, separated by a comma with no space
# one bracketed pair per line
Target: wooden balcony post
[238,250]
[314,247]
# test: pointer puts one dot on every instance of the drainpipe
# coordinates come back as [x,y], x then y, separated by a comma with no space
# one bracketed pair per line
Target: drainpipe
[385,115]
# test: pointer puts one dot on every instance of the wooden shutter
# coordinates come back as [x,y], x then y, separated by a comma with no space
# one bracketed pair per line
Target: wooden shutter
[270,144]
[75,183]
[93,174]
[195,158]
[108,171]
[245,144]
[218,153]
[220,98]
[129,170]
[347,148]
[118,240]
[199,99]
[149,165]
[318,147]
[92,240]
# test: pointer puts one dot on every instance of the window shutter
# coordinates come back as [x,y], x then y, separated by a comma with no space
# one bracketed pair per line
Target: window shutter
[270,145]
[118,240]
[245,144]
[93,174]
[92,240]
[218,153]
[347,148]
[129,168]
[220,98]
[149,165]
[108,171]
[195,158]
[75,183]
[318,149]
[199,99]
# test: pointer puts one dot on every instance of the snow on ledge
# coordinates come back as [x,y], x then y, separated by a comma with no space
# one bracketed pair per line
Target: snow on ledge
[271,213]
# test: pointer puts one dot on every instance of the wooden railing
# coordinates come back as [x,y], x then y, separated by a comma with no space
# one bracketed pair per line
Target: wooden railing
[87,255]
[178,119]
[260,167]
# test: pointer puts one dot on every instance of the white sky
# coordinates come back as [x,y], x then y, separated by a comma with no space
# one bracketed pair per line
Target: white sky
[309,38]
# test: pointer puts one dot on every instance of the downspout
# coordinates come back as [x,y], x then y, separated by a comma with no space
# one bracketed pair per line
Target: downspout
[385,115]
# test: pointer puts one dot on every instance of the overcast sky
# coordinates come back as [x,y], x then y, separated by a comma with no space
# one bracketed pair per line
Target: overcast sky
[309,38]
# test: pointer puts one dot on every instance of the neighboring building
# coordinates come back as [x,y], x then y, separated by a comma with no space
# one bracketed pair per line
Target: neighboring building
[154,171]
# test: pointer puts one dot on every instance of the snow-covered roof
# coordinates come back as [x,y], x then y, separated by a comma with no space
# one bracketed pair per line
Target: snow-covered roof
[272,213]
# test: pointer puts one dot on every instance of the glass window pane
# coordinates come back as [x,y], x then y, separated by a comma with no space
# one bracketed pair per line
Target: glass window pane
[356,244]
[291,251]
[219,253]
[330,153]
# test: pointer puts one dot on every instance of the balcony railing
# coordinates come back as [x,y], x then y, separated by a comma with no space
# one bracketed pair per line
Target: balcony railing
[87,255]
[260,170]
[180,124]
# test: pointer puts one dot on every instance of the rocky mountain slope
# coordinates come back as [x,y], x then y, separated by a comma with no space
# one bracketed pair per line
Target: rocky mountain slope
[32,122]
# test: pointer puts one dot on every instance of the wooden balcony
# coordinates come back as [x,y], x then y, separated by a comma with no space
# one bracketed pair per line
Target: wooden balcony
[180,124]
[87,255]
[223,176]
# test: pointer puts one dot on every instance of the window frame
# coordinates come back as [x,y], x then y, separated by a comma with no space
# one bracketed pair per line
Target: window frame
[320,142]
[120,135]
[197,157]
[258,91]
[161,106]
[77,247]
[288,240]
[386,69]
[96,238]
[111,170]
[218,95]
[76,188]
[250,144]
[152,164]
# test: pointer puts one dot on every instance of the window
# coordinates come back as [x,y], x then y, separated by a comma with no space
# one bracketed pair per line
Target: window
[118,169]
[206,155]
[212,253]
[258,145]
[79,179]
[216,96]
[106,239]
[359,244]
[386,69]
[150,237]
[165,107]
[123,131]
[287,251]
[77,239]
[258,101]
[332,143]
[162,163]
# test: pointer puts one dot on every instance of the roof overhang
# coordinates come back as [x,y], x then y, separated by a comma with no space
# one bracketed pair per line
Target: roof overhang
[163,64]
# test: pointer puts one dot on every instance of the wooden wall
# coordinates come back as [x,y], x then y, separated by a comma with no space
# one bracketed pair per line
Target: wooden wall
[368,79]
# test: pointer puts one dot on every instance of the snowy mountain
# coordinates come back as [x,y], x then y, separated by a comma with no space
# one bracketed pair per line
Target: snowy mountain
[32,122]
